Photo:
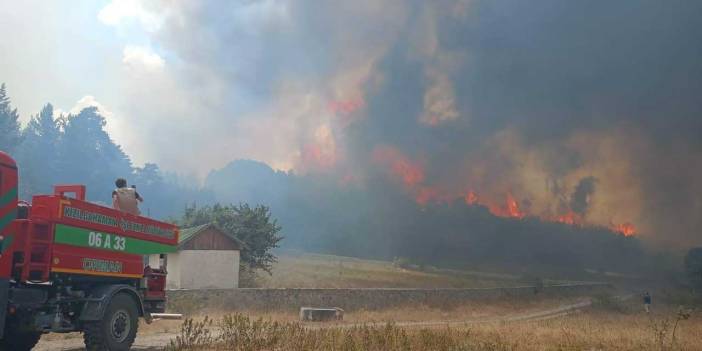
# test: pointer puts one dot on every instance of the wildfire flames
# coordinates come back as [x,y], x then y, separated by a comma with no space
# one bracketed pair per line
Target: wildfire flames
[510,208]
[571,218]
[626,229]
[410,172]
[411,175]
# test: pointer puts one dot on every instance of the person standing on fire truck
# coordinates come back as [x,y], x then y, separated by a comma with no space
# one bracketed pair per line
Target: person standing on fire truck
[126,199]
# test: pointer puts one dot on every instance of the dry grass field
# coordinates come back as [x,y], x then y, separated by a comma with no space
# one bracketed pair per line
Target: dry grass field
[609,324]
[600,327]
[591,330]
[306,270]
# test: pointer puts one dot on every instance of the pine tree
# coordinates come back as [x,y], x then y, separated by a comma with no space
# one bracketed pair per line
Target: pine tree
[9,123]
[88,155]
[38,155]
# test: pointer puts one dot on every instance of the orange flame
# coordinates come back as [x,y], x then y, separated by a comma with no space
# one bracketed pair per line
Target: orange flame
[471,198]
[409,172]
[513,207]
[570,218]
[626,229]
[412,175]
[509,209]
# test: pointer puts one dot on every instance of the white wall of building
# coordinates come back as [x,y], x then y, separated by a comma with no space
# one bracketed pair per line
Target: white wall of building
[203,269]
[173,268]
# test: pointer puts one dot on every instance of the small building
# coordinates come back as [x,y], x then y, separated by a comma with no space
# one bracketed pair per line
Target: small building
[207,258]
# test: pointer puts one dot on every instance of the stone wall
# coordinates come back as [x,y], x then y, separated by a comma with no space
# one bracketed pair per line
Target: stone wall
[188,301]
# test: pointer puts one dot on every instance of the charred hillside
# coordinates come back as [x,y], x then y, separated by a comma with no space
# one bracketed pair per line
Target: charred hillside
[384,221]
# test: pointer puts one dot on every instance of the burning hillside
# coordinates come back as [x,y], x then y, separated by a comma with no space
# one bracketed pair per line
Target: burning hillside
[411,175]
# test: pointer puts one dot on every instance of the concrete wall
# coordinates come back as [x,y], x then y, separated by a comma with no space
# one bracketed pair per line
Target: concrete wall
[203,269]
[188,301]
[173,277]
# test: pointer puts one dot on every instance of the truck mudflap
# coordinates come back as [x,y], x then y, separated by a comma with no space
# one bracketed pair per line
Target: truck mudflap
[4,295]
[95,305]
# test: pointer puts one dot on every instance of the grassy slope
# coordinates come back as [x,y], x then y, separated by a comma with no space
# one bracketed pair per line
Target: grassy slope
[298,270]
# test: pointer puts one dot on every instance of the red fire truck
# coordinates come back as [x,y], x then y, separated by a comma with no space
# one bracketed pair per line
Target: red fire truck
[70,265]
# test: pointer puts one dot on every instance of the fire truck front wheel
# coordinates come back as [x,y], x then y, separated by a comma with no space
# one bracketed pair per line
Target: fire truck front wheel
[117,329]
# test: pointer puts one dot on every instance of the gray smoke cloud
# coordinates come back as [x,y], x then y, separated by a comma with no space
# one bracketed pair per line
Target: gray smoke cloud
[532,99]
[580,200]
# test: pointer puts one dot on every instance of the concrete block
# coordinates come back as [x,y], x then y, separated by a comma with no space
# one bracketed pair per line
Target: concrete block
[321,314]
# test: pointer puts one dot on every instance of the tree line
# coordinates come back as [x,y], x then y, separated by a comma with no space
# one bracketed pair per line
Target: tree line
[378,220]
[76,149]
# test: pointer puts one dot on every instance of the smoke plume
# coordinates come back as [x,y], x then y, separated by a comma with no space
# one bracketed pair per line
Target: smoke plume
[581,196]
[583,112]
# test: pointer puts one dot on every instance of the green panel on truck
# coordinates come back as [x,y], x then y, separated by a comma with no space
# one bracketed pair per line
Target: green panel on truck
[75,236]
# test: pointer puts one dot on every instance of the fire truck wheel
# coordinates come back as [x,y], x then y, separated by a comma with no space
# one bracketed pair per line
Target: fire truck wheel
[14,340]
[117,329]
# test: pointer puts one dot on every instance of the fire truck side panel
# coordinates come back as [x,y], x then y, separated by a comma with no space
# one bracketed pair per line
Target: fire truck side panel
[84,214]
[80,260]
[8,213]
[98,241]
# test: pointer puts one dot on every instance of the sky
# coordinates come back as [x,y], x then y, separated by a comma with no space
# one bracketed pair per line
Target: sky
[117,55]
[551,103]
[64,53]
[188,85]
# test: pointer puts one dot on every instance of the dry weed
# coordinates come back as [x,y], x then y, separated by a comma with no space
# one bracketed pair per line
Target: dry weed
[599,330]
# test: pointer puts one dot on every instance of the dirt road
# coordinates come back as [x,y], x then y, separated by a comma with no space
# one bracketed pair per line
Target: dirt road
[74,342]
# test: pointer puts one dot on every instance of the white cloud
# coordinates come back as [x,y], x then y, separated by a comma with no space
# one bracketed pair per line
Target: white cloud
[90,101]
[141,57]
[59,113]
[119,11]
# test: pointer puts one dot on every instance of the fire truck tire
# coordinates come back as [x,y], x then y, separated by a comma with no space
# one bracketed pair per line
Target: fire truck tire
[117,329]
[14,340]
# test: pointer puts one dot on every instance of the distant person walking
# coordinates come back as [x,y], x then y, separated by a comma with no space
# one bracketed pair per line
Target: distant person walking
[126,199]
[647,301]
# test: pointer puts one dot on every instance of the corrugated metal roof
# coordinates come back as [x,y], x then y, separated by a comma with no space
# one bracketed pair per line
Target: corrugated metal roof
[186,234]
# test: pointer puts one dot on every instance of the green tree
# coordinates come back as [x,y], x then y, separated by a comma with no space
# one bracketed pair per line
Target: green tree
[253,226]
[10,136]
[87,155]
[38,155]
